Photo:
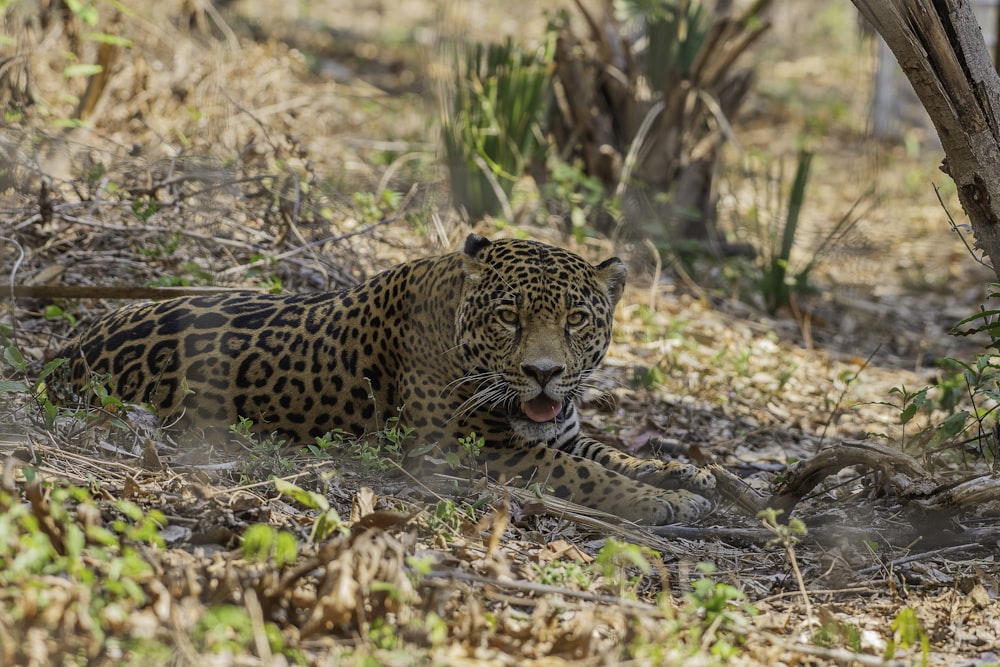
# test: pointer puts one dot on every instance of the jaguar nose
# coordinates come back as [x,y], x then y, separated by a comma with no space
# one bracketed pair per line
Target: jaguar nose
[542,373]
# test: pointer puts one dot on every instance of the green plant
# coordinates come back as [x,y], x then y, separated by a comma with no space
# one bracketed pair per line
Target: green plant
[335,439]
[774,285]
[773,224]
[472,445]
[257,273]
[192,274]
[907,632]
[34,389]
[229,629]
[160,247]
[264,455]
[450,518]
[262,542]
[56,312]
[647,377]
[655,128]
[563,573]
[327,519]
[67,571]
[623,564]
[382,634]
[676,32]
[716,604]
[787,535]
[145,208]
[934,435]
[372,209]
[833,632]
[381,451]
[579,199]
[491,121]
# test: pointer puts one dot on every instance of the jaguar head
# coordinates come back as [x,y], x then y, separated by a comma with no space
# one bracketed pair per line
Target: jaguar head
[533,322]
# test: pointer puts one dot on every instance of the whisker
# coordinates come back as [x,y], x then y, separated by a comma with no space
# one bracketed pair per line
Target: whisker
[604,375]
[491,396]
[481,377]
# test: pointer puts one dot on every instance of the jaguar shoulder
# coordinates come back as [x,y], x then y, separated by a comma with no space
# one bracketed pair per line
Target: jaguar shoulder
[498,339]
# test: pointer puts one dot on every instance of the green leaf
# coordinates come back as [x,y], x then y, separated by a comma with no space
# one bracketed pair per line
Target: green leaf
[13,356]
[309,499]
[257,542]
[286,548]
[949,428]
[12,387]
[105,38]
[985,314]
[51,367]
[82,70]
[87,13]
[68,123]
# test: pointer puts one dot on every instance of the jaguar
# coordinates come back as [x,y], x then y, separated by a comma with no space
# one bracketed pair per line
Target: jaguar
[497,341]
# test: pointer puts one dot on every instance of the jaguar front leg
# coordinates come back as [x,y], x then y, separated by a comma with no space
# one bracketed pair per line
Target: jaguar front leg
[662,474]
[588,482]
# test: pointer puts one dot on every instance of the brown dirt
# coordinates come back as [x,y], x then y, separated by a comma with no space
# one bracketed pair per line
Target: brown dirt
[254,143]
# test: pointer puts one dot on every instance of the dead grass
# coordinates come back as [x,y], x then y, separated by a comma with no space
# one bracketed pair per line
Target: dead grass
[252,152]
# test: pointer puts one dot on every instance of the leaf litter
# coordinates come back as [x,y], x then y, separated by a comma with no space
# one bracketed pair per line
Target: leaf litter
[243,151]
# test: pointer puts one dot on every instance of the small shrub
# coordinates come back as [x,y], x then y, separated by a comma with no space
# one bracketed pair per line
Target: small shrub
[491,121]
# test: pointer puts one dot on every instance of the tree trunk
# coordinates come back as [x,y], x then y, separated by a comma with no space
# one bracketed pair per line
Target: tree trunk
[940,47]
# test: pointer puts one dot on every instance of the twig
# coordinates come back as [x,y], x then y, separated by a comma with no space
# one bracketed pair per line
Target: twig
[495,185]
[923,555]
[301,249]
[256,614]
[837,655]
[632,157]
[13,276]
[116,291]
[870,588]
[958,230]
[546,589]
[843,393]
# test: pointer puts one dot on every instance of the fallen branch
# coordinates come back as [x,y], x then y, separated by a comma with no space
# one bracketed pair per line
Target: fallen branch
[901,473]
[115,291]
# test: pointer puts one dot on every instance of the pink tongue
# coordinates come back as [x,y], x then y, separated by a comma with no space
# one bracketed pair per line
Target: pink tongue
[542,408]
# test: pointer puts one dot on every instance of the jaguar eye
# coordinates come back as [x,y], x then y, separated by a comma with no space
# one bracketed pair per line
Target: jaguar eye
[576,318]
[508,316]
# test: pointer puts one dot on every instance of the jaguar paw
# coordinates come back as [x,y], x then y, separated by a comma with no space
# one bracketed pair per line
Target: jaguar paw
[687,476]
[682,506]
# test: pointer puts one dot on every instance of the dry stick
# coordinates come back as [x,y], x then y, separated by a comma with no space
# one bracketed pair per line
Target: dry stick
[495,186]
[837,655]
[787,541]
[656,274]
[292,220]
[391,170]
[958,230]
[13,273]
[638,143]
[171,181]
[153,229]
[116,291]
[918,556]
[546,589]
[301,249]
[869,588]
[256,614]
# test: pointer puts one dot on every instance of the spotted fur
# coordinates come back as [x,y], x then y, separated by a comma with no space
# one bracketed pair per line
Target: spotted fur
[499,339]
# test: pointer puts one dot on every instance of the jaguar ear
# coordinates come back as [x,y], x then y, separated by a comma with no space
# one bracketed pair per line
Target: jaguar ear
[474,244]
[612,273]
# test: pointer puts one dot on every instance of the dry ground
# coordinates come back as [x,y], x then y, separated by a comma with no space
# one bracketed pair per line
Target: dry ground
[267,140]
